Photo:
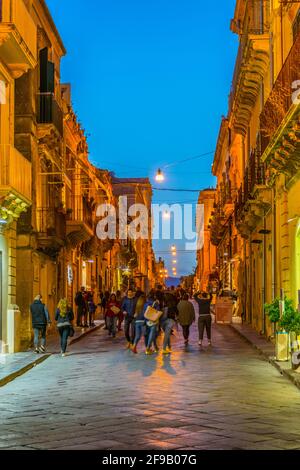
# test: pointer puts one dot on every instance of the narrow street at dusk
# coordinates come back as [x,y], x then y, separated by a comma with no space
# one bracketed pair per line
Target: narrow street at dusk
[149,229]
[103,397]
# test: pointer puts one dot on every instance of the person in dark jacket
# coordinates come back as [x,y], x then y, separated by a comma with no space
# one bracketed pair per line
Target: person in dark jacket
[92,307]
[64,317]
[168,322]
[40,319]
[128,309]
[105,301]
[186,316]
[81,307]
[119,298]
[204,320]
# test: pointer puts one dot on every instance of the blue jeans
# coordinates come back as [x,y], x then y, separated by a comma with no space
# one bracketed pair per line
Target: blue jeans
[167,327]
[39,330]
[112,325]
[129,329]
[151,335]
[64,332]
[139,330]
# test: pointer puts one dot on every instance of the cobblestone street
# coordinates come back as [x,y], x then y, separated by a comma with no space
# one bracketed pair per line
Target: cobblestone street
[101,396]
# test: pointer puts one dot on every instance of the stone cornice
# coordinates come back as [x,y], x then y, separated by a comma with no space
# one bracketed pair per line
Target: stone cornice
[219,150]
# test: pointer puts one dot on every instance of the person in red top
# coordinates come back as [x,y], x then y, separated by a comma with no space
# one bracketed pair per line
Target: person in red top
[113,310]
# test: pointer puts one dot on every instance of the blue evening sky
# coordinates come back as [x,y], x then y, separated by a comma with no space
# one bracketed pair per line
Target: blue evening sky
[150,82]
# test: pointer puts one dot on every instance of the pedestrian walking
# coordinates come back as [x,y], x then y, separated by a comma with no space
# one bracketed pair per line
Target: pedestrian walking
[81,307]
[85,315]
[40,318]
[91,309]
[204,319]
[113,310]
[119,298]
[100,304]
[168,322]
[105,301]
[186,316]
[139,320]
[128,310]
[152,328]
[64,317]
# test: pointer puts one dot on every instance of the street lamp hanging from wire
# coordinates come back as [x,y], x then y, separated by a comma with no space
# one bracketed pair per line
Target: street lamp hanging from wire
[159,176]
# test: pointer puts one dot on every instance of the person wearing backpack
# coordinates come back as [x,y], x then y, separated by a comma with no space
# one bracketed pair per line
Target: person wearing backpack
[40,319]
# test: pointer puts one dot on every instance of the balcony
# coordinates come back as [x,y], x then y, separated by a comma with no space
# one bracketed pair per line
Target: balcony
[80,227]
[218,225]
[15,182]
[226,198]
[18,37]
[280,118]
[254,197]
[251,63]
[49,113]
[51,230]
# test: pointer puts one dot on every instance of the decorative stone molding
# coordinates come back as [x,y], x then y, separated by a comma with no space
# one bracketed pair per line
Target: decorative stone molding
[283,152]
[11,207]
[254,211]
[17,70]
[3,37]
[253,67]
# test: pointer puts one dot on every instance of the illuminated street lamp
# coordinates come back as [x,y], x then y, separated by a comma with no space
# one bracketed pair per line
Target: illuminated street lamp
[159,176]
[166,215]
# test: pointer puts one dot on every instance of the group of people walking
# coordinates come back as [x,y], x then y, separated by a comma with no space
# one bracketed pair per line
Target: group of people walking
[64,317]
[143,315]
[172,309]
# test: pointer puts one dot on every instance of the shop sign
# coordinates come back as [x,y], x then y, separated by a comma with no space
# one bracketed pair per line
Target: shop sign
[70,274]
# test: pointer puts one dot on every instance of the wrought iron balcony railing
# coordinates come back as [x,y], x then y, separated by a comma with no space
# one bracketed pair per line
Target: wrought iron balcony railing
[280,99]
[51,223]
[255,175]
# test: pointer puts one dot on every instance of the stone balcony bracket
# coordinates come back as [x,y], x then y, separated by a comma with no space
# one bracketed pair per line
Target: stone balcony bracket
[253,68]
[282,153]
[11,207]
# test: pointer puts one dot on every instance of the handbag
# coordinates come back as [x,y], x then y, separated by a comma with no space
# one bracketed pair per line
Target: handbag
[115,309]
[152,314]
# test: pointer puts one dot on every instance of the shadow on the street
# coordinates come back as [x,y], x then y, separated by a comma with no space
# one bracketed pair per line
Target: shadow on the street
[167,366]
